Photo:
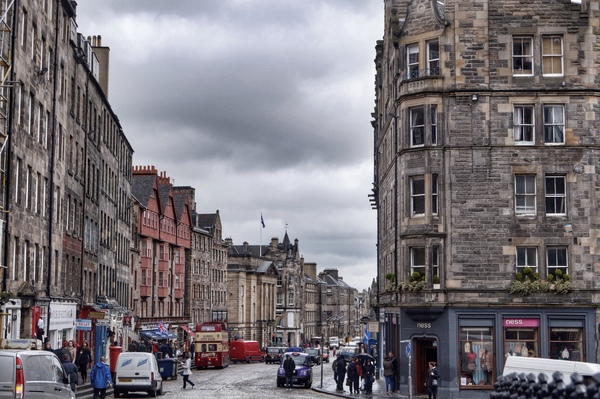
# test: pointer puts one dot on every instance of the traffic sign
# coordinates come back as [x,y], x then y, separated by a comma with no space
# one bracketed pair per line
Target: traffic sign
[408,349]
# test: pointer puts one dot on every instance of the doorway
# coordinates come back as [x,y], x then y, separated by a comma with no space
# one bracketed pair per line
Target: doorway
[426,350]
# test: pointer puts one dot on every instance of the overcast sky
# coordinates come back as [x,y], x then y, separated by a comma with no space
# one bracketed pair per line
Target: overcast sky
[263,106]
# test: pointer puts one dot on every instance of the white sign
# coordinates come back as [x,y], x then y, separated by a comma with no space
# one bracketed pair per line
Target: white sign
[83,324]
[62,315]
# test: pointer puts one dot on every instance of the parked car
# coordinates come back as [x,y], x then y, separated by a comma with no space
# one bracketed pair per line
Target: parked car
[315,355]
[325,355]
[302,373]
[347,353]
[137,371]
[28,372]
[273,354]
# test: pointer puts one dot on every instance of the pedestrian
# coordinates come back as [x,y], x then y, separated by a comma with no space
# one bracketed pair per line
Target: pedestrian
[48,347]
[100,378]
[395,371]
[432,380]
[341,373]
[132,347]
[64,350]
[289,366]
[334,367]
[187,370]
[388,373]
[368,374]
[71,370]
[72,350]
[353,377]
[142,346]
[40,329]
[84,360]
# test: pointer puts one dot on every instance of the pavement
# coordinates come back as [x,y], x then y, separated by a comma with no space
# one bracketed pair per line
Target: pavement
[329,387]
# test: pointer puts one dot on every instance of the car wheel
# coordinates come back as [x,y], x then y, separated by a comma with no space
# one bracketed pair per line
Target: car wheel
[160,391]
[117,393]
[152,392]
[279,383]
[308,384]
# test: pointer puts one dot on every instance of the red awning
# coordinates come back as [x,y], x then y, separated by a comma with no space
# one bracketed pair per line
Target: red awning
[186,329]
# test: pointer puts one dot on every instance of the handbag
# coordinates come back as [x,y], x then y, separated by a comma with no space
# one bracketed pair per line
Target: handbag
[434,382]
[348,382]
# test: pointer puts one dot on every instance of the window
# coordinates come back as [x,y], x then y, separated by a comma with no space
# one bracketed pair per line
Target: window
[567,344]
[434,194]
[412,61]
[417,126]
[523,124]
[525,195]
[522,340]
[279,299]
[417,196]
[552,55]
[417,261]
[279,281]
[554,124]
[556,260]
[433,58]
[527,257]
[556,195]
[435,263]
[433,127]
[523,56]
[476,348]
[291,298]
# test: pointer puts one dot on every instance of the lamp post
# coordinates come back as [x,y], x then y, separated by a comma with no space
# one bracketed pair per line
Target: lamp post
[409,354]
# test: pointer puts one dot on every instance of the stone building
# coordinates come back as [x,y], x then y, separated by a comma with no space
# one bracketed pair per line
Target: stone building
[338,311]
[486,144]
[64,220]
[164,231]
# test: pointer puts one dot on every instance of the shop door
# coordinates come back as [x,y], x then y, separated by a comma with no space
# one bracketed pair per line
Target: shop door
[425,351]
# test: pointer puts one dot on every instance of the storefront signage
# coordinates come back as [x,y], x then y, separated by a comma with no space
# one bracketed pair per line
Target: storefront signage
[96,315]
[519,322]
[83,324]
[374,326]
[62,315]
[423,325]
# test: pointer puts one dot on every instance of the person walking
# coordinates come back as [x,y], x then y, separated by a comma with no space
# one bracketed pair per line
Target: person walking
[388,373]
[72,350]
[353,377]
[431,383]
[71,370]
[289,366]
[100,378]
[341,373]
[334,367]
[187,371]
[84,360]
[395,371]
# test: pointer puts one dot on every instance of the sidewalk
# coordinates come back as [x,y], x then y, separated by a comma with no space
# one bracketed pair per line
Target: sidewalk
[329,387]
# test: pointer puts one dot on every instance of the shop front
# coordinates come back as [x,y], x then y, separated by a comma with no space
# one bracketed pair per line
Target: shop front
[471,347]
[62,321]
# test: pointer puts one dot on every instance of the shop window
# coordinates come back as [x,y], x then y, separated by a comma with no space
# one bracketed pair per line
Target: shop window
[476,357]
[521,337]
[567,344]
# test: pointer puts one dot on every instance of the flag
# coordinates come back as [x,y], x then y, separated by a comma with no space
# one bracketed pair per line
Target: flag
[367,335]
[262,221]
[161,327]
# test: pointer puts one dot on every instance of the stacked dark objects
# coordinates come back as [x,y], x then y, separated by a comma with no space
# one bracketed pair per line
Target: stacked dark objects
[527,386]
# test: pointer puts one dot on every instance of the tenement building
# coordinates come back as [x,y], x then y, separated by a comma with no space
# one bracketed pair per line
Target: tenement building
[486,143]
[65,178]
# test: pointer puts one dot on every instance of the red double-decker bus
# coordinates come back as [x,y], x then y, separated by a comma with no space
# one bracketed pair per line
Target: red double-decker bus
[211,345]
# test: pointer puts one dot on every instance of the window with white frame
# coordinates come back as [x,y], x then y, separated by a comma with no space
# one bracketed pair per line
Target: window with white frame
[527,257]
[434,194]
[417,126]
[433,124]
[556,259]
[523,124]
[522,56]
[435,263]
[433,58]
[417,261]
[417,195]
[525,195]
[556,195]
[552,55]
[412,61]
[291,298]
[279,299]
[554,124]
[279,280]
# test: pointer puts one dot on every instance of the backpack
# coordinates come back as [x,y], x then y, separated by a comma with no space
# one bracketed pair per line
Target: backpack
[352,373]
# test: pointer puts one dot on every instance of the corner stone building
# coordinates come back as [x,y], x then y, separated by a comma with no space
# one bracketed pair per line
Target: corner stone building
[486,144]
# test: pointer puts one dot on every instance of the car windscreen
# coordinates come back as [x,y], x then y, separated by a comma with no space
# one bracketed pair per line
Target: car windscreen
[38,368]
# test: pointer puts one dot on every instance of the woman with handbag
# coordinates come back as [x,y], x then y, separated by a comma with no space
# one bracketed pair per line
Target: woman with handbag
[433,376]
[186,372]
[83,359]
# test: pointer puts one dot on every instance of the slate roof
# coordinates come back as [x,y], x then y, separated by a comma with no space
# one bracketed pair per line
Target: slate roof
[141,187]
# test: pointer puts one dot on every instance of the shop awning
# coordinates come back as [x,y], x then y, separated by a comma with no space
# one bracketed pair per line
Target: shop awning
[158,335]
[186,329]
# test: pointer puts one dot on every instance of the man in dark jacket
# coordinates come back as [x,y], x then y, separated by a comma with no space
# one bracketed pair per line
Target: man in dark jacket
[289,366]
[71,370]
[341,374]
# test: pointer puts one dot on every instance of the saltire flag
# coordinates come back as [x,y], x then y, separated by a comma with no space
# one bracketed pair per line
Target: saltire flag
[161,327]
[367,335]
[262,221]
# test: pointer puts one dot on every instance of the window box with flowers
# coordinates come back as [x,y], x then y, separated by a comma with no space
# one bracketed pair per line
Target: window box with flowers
[528,282]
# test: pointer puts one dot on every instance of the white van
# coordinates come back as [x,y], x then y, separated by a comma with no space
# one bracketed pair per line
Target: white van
[334,342]
[536,365]
[137,372]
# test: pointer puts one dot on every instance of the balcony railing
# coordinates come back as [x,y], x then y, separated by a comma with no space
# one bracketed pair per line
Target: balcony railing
[420,73]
